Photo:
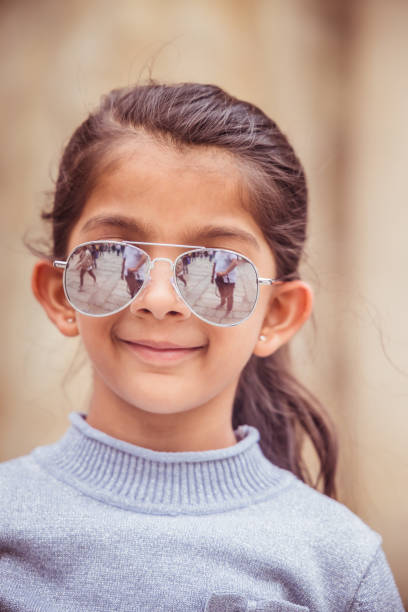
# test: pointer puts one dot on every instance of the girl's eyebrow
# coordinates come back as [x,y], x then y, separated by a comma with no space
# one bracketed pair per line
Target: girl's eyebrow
[220,231]
[146,230]
[120,222]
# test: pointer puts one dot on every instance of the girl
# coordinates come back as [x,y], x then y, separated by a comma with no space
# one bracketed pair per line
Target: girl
[183,487]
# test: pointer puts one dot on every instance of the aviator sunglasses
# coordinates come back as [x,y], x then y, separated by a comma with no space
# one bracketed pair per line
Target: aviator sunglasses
[219,286]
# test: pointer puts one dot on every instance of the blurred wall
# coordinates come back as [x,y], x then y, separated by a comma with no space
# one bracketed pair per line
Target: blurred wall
[334,76]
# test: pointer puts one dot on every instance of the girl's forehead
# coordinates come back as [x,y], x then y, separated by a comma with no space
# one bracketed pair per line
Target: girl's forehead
[150,152]
[153,167]
[160,193]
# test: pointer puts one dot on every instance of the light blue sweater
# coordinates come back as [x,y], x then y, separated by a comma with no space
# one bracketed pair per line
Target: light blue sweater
[94,524]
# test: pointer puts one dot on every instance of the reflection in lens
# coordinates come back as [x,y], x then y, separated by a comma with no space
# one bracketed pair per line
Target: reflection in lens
[100,278]
[220,286]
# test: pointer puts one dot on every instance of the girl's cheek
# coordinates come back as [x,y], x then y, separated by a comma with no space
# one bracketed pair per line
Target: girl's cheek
[231,350]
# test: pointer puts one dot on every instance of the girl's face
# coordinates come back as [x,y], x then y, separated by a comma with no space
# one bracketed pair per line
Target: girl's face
[159,194]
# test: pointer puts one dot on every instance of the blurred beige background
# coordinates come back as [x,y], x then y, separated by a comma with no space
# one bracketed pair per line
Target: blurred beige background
[334,75]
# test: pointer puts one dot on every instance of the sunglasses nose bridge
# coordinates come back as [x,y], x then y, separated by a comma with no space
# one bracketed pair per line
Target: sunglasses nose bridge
[161,259]
[166,259]
[156,289]
[170,262]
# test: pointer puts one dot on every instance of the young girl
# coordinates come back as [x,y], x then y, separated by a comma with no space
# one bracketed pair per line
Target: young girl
[183,487]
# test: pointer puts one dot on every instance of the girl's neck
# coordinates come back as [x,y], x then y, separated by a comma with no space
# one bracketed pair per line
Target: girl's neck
[203,428]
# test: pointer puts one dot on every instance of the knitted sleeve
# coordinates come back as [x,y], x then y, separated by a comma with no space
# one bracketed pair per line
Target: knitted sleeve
[377,591]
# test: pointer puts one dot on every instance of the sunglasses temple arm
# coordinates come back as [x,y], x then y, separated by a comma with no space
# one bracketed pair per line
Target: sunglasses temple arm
[268,281]
[59,264]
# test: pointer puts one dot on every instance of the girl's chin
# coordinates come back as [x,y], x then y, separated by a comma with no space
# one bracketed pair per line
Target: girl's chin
[161,399]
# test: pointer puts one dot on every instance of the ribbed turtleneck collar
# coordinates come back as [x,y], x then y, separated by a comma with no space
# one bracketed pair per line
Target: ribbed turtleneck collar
[155,482]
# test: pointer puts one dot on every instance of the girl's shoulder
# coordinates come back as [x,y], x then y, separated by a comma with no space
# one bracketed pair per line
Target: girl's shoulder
[333,530]
[326,545]
[21,479]
[11,467]
[342,546]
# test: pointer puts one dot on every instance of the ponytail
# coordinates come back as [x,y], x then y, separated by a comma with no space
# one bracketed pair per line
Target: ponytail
[271,399]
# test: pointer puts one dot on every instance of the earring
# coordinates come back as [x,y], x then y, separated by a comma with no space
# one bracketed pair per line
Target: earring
[70,320]
[262,338]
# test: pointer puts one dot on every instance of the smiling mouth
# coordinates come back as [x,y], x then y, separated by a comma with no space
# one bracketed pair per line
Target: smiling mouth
[161,352]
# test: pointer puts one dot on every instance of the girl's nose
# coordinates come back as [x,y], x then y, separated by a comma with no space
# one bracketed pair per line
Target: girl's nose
[159,297]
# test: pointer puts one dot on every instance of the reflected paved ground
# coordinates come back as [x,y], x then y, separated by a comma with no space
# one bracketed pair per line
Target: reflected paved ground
[110,291]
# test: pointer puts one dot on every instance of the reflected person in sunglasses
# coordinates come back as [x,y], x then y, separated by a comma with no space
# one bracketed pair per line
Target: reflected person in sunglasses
[132,262]
[225,272]
[85,265]
[187,467]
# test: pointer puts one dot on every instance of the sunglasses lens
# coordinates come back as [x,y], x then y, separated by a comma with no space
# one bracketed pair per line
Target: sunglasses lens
[219,286]
[101,278]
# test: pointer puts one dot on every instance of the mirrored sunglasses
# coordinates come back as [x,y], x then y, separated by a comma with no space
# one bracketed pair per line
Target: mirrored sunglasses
[219,286]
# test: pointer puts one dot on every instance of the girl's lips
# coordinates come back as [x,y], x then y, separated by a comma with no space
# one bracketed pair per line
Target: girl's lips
[161,352]
[160,345]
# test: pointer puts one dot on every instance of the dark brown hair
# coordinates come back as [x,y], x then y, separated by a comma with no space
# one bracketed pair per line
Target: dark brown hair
[190,114]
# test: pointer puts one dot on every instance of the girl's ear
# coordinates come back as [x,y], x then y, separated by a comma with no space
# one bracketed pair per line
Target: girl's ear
[46,284]
[288,309]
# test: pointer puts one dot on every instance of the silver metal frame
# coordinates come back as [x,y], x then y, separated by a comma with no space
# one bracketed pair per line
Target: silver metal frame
[260,281]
